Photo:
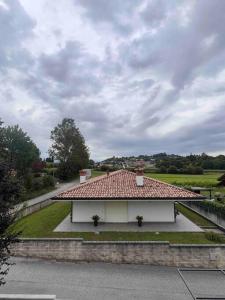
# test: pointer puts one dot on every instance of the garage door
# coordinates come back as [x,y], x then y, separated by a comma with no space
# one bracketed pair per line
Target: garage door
[116,211]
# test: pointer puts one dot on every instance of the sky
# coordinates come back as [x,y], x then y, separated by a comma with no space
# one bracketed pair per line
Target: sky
[138,77]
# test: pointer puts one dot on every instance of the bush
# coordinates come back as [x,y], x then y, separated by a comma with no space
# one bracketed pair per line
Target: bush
[37,184]
[48,181]
[95,219]
[28,182]
[37,175]
[172,170]
[214,207]
[140,220]
[162,170]
[214,237]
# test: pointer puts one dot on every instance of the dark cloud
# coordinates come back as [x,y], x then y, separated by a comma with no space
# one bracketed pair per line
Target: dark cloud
[155,12]
[116,14]
[15,27]
[137,76]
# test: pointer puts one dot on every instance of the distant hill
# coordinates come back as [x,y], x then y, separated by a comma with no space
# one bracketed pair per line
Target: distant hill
[168,163]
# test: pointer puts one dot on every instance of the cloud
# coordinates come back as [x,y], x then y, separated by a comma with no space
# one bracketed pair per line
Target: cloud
[137,76]
[117,15]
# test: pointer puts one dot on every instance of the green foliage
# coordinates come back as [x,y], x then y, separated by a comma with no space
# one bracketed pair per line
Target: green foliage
[10,190]
[36,186]
[69,148]
[95,219]
[28,181]
[20,151]
[213,206]
[190,164]
[214,237]
[47,181]
[50,171]
[172,170]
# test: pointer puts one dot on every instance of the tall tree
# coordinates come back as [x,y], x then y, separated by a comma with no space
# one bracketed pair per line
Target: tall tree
[21,151]
[2,142]
[69,148]
[10,189]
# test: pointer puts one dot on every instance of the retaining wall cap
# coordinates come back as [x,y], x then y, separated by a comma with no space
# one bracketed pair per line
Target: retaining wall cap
[49,239]
[27,297]
[122,242]
[127,242]
[197,245]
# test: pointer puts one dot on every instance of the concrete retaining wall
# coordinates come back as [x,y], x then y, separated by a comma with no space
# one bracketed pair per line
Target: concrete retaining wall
[154,253]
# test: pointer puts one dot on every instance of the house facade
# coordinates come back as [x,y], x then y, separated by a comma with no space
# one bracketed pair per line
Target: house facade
[121,196]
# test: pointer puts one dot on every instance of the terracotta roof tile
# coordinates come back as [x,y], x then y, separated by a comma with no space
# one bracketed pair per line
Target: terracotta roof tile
[122,185]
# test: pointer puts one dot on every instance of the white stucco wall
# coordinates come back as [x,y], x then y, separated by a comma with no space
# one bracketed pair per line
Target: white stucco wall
[84,210]
[152,211]
[115,211]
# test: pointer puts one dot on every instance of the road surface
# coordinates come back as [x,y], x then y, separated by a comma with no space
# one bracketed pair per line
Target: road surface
[90,281]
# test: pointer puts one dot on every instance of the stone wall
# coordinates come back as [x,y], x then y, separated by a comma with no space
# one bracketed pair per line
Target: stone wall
[154,253]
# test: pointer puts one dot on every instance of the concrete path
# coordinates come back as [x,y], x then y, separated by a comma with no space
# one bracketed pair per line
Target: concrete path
[90,281]
[182,225]
[60,188]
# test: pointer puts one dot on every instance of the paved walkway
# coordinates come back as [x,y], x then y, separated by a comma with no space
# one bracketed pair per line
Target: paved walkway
[60,188]
[182,225]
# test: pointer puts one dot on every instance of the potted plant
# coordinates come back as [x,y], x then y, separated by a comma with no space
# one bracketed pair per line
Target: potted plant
[140,220]
[95,219]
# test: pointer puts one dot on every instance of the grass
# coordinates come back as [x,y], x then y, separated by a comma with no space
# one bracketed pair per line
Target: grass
[97,173]
[42,223]
[208,179]
[194,217]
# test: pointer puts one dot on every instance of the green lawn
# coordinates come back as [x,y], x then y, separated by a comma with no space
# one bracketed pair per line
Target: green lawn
[208,179]
[97,173]
[43,222]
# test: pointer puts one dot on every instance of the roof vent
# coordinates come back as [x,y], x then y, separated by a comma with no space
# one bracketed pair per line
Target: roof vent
[140,177]
[83,176]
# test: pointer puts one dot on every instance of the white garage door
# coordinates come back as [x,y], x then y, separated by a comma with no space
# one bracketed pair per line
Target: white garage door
[116,211]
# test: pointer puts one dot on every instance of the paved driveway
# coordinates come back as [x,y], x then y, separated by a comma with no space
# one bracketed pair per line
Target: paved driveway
[90,281]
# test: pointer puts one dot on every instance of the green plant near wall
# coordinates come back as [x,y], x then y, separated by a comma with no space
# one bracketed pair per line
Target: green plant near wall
[95,219]
[214,237]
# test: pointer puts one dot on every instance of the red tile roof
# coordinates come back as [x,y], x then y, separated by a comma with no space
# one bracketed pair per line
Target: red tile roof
[122,185]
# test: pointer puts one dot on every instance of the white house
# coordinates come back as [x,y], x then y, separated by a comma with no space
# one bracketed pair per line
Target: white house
[121,196]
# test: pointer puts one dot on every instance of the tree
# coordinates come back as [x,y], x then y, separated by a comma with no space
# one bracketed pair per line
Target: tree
[172,170]
[10,189]
[20,149]
[221,180]
[69,148]
[2,143]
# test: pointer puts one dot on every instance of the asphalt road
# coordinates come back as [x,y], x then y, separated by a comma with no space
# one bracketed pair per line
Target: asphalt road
[95,281]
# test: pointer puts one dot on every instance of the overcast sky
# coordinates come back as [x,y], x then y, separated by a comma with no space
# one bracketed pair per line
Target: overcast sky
[138,77]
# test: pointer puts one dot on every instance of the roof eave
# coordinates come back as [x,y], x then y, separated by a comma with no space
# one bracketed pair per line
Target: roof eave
[129,198]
